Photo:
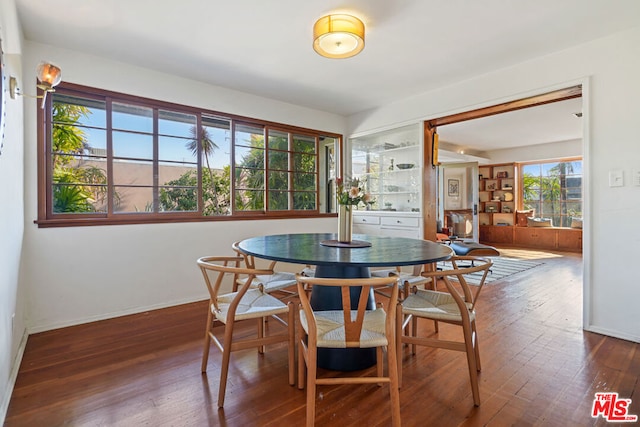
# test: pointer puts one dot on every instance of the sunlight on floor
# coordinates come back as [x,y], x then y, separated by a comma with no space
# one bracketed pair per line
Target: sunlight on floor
[526,254]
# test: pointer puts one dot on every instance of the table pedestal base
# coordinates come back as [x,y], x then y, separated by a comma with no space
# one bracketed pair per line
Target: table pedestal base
[330,298]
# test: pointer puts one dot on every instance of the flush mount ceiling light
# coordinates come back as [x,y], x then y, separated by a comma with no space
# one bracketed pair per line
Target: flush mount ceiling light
[48,75]
[338,36]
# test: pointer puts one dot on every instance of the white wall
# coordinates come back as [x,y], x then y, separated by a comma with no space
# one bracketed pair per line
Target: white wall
[12,298]
[78,274]
[609,67]
[530,153]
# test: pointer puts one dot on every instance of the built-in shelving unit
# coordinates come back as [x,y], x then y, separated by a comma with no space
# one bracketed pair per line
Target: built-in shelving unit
[389,164]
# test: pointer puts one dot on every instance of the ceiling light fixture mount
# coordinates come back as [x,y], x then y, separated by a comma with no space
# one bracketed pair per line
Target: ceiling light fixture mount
[338,36]
[48,75]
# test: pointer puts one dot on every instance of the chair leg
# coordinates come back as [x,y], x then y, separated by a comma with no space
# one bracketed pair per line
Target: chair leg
[471,361]
[379,363]
[414,332]
[261,326]
[311,386]
[226,356]
[476,347]
[394,384]
[301,356]
[292,344]
[207,341]
[398,353]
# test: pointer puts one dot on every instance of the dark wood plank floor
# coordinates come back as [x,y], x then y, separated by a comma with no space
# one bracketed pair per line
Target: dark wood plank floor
[539,368]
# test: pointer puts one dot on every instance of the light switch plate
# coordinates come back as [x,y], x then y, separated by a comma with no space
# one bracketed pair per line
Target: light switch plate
[616,178]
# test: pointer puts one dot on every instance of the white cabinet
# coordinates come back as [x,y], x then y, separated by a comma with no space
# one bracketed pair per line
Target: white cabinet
[398,224]
[390,166]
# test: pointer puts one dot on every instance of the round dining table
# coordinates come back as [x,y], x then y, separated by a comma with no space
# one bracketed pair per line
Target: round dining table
[341,261]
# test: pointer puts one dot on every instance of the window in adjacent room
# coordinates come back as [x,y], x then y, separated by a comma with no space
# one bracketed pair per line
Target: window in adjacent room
[553,190]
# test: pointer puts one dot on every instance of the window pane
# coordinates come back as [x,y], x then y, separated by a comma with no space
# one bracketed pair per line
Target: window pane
[216,162]
[132,117]
[278,180]
[304,144]
[178,199]
[249,178]
[177,150]
[126,172]
[71,198]
[249,172]
[249,200]
[278,200]
[278,140]
[304,181]
[304,201]
[177,174]
[304,162]
[278,160]
[79,111]
[176,124]
[132,145]
[133,199]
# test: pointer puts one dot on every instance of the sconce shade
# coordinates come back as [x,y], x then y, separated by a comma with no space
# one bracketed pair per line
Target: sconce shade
[338,36]
[48,74]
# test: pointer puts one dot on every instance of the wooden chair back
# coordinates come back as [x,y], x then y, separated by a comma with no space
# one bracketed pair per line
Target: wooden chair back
[353,311]
[472,264]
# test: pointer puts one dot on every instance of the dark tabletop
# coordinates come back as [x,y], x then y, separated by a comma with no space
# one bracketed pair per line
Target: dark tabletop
[383,252]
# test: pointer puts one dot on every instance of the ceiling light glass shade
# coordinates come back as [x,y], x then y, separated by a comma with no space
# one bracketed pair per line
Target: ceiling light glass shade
[48,74]
[338,36]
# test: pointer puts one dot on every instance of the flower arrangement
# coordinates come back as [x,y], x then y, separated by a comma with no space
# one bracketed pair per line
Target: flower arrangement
[352,193]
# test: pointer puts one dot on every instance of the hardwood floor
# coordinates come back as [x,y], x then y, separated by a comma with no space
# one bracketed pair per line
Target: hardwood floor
[539,368]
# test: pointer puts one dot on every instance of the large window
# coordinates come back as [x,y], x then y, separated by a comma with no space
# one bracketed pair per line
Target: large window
[553,190]
[110,158]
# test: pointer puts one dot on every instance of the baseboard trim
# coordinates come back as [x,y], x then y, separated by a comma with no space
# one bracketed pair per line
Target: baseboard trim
[17,361]
[105,316]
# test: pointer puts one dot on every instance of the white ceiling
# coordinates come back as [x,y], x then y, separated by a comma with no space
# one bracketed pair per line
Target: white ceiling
[531,126]
[264,47]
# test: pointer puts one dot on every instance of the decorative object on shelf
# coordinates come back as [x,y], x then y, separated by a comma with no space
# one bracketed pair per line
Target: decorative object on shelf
[508,197]
[405,165]
[391,167]
[491,186]
[502,174]
[349,195]
[338,36]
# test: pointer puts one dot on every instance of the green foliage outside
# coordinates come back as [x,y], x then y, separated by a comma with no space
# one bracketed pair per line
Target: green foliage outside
[548,195]
[82,188]
[250,175]
[181,194]
[76,189]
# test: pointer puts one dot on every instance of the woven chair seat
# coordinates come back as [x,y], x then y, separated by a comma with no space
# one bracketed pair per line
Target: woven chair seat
[434,305]
[252,305]
[272,282]
[331,332]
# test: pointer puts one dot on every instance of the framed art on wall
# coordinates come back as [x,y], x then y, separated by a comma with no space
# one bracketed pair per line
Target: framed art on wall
[453,187]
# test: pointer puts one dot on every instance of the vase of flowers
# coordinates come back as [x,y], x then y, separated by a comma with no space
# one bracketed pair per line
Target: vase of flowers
[349,195]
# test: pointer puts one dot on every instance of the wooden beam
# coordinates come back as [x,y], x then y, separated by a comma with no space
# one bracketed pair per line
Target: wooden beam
[532,101]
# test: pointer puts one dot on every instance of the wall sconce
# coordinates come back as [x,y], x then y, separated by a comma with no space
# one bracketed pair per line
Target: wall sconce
[48,75]
[338,36]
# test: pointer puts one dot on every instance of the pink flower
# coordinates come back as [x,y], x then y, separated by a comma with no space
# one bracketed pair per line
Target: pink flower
[366,198]
[354,192]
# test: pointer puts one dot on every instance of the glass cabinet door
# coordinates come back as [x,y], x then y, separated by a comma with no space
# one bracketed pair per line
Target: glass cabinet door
[389,166]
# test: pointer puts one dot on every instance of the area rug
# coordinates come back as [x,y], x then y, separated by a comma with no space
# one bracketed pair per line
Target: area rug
[502,267]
